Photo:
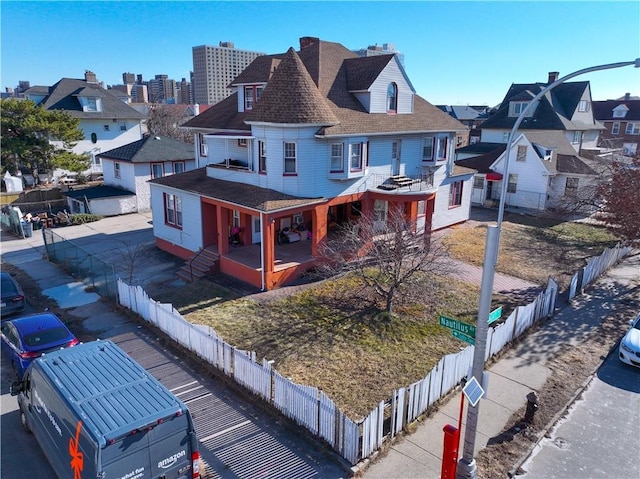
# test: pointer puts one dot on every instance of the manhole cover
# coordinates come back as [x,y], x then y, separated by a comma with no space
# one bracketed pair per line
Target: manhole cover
[561,443]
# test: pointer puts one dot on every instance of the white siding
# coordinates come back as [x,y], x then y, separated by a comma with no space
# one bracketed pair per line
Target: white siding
[493,136]
[443,215]
[127,175]
[391,73]
[533,178]
[113,206]
[190,236]
[107,140]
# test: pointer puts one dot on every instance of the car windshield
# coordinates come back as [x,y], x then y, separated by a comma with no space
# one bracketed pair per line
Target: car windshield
[43,338]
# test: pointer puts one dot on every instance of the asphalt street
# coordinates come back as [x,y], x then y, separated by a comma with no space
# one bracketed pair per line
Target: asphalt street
[597,439]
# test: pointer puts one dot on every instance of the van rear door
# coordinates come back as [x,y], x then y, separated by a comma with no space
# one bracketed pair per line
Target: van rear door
[128,457]
[170,447]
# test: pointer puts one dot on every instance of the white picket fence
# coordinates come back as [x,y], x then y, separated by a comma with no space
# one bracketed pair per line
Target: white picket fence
[595,267]
[310,407]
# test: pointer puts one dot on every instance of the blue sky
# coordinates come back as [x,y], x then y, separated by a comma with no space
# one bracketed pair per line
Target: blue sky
[455,52]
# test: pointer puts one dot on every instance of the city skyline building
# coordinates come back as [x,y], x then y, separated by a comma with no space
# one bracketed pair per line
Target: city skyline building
[385,49]
[214,68]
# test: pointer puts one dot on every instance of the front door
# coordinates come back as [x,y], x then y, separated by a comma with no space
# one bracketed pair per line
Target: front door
[256,231]
[396,146]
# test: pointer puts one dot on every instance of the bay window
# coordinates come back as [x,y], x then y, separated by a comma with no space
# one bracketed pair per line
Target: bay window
[290,158]
[337,157]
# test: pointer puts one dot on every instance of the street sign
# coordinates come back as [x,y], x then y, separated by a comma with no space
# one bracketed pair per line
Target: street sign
[456,325]
[464,337]
[473,391]
[495,315]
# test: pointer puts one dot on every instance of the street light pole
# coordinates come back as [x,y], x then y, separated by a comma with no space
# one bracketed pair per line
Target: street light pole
[467,468]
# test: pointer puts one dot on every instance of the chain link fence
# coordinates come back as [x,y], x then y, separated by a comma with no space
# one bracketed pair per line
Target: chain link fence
[81,264]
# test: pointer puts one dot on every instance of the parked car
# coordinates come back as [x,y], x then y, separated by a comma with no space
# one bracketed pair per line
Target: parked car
[27,338]
[13,300]
[629,350]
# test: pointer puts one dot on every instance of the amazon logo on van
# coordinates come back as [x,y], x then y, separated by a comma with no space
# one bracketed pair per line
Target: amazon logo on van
[171,460]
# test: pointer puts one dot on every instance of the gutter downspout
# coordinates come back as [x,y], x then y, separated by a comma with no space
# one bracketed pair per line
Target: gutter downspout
[262,251]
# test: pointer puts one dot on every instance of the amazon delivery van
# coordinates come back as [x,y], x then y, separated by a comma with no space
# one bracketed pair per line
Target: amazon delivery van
[97,414]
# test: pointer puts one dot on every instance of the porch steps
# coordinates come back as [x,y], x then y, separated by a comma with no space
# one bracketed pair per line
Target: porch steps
[200,264]
[397,181]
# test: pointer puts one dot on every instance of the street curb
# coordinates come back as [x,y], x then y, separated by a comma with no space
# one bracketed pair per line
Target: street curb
[514,471]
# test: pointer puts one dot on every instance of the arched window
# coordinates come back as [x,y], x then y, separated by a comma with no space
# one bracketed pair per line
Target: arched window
[392,98]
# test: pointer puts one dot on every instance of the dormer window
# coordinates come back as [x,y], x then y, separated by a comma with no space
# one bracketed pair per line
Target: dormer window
[517,107]
[620,111]
[251,96]
[91,103]
[392,98]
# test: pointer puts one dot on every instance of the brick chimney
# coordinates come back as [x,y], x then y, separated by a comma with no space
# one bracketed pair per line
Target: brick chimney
[627,96]
[308,41]
[90,77]
[553,76]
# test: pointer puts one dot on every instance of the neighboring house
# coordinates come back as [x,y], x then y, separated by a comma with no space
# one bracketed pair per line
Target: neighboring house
[621,120]
[309,140]
[106,120]
[470,116]
[546,169]
[127,170]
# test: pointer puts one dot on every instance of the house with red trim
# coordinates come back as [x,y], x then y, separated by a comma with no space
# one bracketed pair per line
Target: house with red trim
[309,139]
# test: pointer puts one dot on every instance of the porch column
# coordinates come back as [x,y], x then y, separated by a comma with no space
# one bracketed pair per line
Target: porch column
[223,229]
[412,214]
[319,223]
[268,245]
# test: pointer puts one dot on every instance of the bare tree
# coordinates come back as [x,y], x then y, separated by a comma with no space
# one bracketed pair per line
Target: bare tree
[620,197]
[390,259]
[130,255]
[165,120]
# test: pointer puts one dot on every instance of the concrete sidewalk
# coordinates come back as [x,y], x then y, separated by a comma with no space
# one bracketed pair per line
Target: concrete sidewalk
[520,371]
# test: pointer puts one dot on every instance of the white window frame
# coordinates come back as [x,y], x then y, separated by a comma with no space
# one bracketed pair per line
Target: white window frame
[392,98]
[337,157]
[512,185]
[236,219]
[355,157]
[455,194]
[441,148]
[262,156]
[178,167]
[577,137]
[202,146]
[173,210]
[478,182]
[633,128]
[290,157]
[517,107]
[117,171]
[521,154]
[583,106]
[153,170]
[615,128]
[427,148]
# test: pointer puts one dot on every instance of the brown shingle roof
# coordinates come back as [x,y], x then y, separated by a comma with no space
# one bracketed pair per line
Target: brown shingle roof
[292,97]
[326,65]
[249,196]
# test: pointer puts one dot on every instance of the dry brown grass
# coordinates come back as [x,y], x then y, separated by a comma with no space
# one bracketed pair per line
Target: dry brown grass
[333,336]
[533,248]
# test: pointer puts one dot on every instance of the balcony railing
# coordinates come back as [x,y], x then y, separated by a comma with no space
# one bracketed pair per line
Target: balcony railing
[232,164]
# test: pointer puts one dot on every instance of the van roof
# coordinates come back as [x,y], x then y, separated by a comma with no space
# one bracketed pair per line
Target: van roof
[112,393]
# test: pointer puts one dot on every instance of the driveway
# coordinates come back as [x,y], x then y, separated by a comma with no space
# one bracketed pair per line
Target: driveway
[238,438]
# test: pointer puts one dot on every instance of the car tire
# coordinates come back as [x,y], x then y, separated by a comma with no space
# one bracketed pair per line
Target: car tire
[25,423]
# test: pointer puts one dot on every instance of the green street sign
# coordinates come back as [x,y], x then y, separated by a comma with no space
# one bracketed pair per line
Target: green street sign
[495,315]
[456,325]
[464,337]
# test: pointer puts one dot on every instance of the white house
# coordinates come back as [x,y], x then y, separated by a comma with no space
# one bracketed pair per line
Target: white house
[106,120]
[546,169]
[310,139]
[127,170]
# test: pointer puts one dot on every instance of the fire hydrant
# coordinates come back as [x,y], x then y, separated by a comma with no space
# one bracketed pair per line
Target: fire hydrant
[532,407]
